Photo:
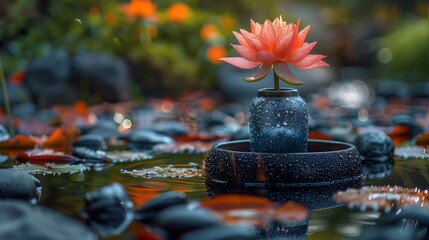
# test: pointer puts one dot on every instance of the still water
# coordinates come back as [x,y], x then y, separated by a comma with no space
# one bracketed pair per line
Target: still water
[65,192]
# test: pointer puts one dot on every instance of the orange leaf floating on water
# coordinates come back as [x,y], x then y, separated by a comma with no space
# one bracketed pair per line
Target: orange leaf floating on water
[21,141]
[400,134]
[275,44]
[62,138]
[422,140]
[256,211]
[382,198]
[43,156]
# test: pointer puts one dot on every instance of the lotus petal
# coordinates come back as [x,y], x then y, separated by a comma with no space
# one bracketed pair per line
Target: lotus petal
[245,52]
[283,72]
[240,62]
[303,34]
[307,61]
[281,48]
[266,57]
[268,34]
[301,52]
[241,39]
[317,64]
[258,75]
[255,27]
[254,41]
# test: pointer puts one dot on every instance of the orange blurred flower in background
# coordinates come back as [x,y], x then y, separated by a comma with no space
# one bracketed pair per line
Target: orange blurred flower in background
[94,11]
[213,54]
[178,12]
[208,31]
[110,18]
[227,22]
[141,9]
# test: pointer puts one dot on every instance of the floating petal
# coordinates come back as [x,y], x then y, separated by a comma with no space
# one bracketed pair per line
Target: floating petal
[283,72]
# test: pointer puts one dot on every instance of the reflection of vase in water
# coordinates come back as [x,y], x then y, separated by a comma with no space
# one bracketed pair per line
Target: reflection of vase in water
[278,121]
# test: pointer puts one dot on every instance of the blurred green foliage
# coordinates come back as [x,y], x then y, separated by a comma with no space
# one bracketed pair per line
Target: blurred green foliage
[409,47]
[172,50]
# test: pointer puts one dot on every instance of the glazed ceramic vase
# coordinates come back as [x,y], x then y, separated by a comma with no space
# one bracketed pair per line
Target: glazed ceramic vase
[278,121]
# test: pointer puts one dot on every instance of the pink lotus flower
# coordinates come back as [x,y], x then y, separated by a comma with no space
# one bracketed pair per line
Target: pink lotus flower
[275,45]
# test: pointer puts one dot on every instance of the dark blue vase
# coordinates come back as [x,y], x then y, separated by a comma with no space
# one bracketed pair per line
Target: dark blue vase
[278,121]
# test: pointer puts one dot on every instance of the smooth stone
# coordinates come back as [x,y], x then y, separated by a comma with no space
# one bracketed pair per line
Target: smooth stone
[343,133]
[220,232]
[241,134]
[18,94]
[91,141]
[148,212]
[107,129]
[19,185]
[375,146]
[376,170]
[4,134]
[91,156]
[107,76]
[179,220]
[142,138]
[109,210]
[168,128]
[222,130]
[19,220]
[4,158]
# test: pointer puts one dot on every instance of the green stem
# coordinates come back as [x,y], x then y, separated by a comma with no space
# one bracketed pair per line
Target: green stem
[6,100]
[276,82]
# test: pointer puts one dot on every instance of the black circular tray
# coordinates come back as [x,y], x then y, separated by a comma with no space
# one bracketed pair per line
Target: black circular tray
[325,162]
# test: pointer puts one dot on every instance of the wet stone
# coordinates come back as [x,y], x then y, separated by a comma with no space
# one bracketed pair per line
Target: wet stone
[178,220]
[375,146]
[91,141]
[4,158]
[4,135]
[168,128]
[91,156]
[109,210]
[107,129]
[19,220]
[142,138]
[19,185]
[241,134]
[148,212]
